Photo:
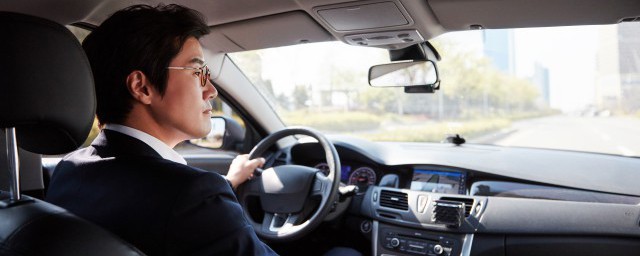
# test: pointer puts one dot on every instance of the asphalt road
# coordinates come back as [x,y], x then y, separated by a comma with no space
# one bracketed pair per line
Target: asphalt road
[613,135]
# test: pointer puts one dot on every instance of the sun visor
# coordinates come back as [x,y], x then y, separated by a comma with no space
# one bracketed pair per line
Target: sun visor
[275,30]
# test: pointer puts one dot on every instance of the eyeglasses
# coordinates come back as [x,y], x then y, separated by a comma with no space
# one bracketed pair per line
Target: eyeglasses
[204,73]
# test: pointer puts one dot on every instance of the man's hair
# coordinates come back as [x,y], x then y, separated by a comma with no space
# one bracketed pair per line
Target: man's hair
[140,37]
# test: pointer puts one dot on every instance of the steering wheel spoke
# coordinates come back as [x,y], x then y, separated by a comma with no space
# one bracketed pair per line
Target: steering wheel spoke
[278,223]
[321,185]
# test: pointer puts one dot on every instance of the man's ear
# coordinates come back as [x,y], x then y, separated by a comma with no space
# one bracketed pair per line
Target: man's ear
[140,87]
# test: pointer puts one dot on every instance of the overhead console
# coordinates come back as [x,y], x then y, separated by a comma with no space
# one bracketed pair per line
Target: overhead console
[382,23]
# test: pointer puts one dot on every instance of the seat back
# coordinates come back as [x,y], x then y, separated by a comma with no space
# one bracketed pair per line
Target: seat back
[47,105]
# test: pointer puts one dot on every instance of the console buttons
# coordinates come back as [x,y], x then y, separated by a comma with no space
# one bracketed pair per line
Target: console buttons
[365,226]
[437,249]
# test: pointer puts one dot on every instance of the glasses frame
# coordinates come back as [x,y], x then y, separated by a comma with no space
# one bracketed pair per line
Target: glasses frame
[205,73]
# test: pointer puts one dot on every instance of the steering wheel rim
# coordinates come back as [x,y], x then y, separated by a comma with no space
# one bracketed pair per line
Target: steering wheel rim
[326,187]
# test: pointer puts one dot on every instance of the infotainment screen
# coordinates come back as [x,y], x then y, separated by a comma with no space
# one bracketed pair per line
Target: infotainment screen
[438,181]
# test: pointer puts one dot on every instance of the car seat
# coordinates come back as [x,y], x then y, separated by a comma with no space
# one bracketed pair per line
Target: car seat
[47,106]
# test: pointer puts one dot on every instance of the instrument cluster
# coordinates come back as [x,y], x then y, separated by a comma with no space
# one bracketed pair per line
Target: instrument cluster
[362,176]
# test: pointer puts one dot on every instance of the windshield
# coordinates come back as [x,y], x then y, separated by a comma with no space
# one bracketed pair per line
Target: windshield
[571,88]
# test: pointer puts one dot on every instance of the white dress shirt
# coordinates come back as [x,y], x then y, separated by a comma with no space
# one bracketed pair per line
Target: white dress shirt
[165,151]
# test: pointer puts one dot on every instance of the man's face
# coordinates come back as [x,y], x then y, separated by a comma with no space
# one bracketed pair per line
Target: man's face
[185,111]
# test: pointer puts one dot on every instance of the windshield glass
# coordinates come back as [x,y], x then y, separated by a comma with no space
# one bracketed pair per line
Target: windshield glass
[572,88]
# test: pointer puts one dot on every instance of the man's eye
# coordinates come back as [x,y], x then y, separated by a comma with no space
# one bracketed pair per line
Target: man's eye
[197,73]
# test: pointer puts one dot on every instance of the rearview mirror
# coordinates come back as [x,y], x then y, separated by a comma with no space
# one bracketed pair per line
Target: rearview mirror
[403,74]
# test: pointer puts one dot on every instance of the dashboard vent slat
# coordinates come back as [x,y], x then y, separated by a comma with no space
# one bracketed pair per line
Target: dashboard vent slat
[468,203]
[450,213]
[394,199]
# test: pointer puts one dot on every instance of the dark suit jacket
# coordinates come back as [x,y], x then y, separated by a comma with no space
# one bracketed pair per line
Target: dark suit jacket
[159,206]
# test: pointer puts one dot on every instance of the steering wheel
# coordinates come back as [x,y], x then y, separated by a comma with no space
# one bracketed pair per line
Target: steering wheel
[283,192]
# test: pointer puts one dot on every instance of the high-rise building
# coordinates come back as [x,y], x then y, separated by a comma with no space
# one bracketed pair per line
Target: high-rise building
[499,48]
[629,64]
[607,81]
[540,79]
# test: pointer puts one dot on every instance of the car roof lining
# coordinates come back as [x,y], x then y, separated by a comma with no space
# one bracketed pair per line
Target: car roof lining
[264,32]
[236,24]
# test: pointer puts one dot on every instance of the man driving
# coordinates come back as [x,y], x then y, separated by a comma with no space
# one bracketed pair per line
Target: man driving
[153,91]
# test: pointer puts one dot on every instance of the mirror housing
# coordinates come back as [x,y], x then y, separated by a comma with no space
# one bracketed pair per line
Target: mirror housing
[413,68]
[226,133]
[421,51]
[405,74]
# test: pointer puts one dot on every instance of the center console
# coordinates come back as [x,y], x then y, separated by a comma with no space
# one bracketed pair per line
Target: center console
[393,240]
[434,217]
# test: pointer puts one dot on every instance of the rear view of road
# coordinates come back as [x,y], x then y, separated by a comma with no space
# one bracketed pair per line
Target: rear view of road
[612,135]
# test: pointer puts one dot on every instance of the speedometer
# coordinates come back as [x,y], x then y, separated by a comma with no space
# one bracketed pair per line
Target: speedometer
[362,177]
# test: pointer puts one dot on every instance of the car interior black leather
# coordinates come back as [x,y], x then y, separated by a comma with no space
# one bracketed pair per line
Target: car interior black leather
[32,177]
[47,94]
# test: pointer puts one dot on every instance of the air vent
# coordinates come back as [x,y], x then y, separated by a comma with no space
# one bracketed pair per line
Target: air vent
[450,213]
[629,19]
[468,203]
[394,199]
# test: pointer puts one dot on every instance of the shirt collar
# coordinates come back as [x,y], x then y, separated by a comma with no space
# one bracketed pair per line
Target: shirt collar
[165,151]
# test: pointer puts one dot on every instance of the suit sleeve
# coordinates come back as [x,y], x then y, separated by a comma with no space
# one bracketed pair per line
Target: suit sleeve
[208,220]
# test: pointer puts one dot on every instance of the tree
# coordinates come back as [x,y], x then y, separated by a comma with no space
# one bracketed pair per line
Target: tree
[300,96]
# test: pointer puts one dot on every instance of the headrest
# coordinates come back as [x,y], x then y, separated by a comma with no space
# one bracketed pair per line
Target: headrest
[46,85]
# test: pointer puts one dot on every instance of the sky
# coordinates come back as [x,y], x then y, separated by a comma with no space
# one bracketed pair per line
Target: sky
[570,55]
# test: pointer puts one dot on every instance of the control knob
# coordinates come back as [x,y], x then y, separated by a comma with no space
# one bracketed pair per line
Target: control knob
[394,242]
[437,249]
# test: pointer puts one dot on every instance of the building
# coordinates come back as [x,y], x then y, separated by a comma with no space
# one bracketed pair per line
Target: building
[499,48]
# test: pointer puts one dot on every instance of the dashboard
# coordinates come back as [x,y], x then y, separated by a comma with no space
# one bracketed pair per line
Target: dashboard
[481,170]
[505,199]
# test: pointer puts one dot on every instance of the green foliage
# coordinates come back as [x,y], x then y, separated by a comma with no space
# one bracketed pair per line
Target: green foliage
[380,100]
[334,121]
[436,132]
[471,82]
[300,96]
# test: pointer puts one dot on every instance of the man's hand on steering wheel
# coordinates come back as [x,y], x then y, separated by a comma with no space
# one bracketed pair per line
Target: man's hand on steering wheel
[242,169]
